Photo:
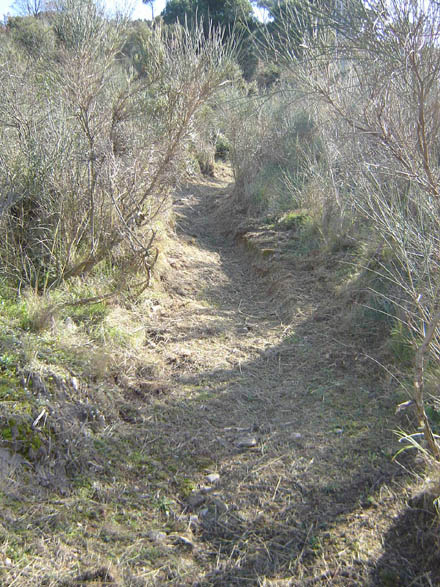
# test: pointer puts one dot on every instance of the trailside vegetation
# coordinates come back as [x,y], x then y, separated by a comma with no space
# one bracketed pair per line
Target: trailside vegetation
[93,137]
[348,137]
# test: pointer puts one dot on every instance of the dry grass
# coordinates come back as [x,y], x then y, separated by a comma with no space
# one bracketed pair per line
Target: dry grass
[213,361]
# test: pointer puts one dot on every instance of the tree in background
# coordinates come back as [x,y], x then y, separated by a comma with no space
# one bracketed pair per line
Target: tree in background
[150,3]
[30,7]
[234,17]
[227,14]
[291,23]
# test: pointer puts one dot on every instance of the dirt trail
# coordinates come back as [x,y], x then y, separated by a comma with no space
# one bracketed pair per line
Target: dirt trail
[243,444]
[294,422]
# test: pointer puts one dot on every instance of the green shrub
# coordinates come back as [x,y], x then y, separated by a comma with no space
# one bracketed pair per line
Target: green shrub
[33,35]
[222,148]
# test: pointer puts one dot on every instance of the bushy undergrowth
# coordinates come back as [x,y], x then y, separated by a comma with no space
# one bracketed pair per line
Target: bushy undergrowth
[100,118]
[271,146]
[351,136]
[94,133]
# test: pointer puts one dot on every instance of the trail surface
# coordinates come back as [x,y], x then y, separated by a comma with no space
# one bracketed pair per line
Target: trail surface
[291,418]
[226,428]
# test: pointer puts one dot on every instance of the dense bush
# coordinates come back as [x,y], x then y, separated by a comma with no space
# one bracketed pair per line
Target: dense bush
[92,139]
[363,156]
[270,143]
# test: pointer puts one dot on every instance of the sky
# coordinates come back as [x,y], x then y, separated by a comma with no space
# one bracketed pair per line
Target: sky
[140,10]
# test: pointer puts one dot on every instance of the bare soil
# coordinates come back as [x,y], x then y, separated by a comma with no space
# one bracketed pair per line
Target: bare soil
[259,380]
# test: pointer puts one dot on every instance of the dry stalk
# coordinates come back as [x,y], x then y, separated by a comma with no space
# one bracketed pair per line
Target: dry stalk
[419,380]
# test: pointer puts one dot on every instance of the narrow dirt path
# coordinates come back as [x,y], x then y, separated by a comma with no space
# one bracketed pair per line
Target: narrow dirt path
[293,422]
[240,436]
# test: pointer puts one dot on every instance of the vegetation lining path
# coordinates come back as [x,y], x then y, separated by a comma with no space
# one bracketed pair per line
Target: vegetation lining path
[249,449]
[293,419]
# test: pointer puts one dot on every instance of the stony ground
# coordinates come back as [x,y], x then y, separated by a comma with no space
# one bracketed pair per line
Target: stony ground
[260,453]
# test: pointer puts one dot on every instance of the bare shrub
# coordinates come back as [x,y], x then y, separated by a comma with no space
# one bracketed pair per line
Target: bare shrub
[374,69]
[91,147]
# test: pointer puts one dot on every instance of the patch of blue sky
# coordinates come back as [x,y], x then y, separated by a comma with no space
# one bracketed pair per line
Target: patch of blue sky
[136,8]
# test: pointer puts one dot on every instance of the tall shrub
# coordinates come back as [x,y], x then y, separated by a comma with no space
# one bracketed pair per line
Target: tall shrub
[91,146]
[375,70]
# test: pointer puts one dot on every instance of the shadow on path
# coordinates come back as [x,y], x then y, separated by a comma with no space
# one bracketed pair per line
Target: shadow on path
[411,553]
[297,427]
